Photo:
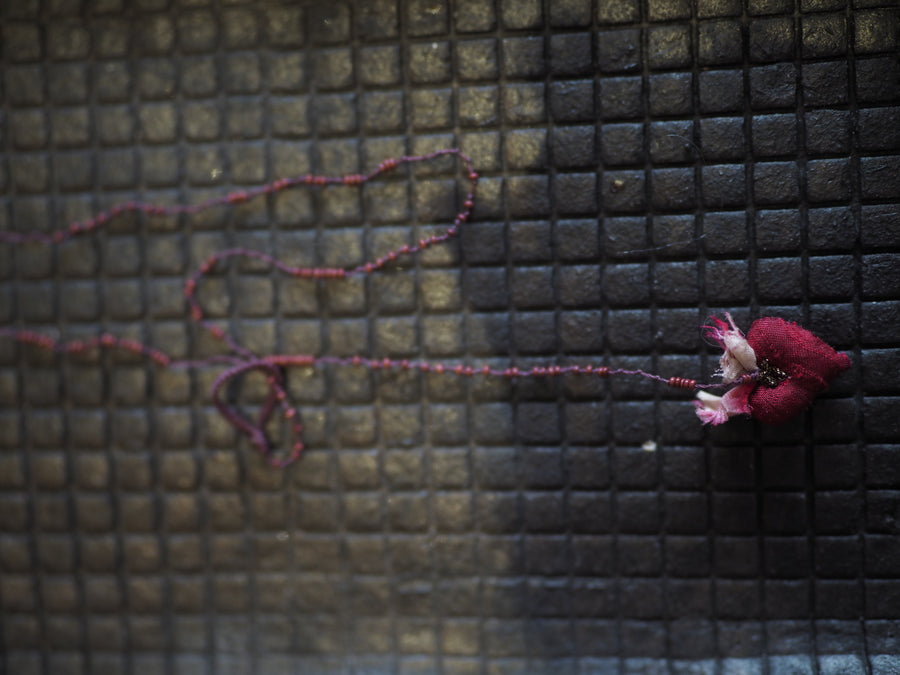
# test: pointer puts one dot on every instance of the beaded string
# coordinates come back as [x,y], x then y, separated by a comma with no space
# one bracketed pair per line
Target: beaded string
[241,360]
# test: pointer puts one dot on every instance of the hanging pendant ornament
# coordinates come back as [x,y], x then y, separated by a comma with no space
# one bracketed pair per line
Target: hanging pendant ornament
[775,371]
[771,374]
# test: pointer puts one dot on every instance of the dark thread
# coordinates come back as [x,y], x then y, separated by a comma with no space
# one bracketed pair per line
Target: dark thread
[273,366]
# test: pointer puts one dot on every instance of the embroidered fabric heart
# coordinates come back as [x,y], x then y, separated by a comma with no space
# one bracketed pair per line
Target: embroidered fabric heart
[777,369]
[795,367]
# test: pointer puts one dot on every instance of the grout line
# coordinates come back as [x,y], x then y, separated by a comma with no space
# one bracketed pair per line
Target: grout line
[553,218]
[702,256]
[809,436]
[758,490]
[860,445]
[26,416]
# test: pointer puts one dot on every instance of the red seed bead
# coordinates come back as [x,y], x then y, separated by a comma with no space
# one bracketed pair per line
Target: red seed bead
[160,358]
[237,197]
[131,345]
[602,371]
[682,383]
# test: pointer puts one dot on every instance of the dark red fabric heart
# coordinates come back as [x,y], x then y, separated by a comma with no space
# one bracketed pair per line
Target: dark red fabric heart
[809,364]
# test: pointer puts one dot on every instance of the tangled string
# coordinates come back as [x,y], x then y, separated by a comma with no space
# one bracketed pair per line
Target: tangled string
[239,360]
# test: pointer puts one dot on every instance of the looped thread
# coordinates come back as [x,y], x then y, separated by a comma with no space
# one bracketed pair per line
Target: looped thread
[241,360]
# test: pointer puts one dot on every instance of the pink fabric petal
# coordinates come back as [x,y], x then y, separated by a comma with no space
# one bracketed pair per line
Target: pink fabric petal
[737,400]
[808,361]
[707,415]
[738,358]
[716,332]
[779,405]
[718,409]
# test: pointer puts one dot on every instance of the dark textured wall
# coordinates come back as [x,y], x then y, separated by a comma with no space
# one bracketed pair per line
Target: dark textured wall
[645,164]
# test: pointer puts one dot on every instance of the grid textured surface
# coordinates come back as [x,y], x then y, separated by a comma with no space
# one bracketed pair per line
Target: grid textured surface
[645,164]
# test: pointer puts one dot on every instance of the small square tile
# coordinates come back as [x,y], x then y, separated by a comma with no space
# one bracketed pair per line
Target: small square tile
[721,91]
[670,94]
[824,35]
[771,39]
[719,42]
[668,46]
[773,86]
[774,135]
[876,31]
